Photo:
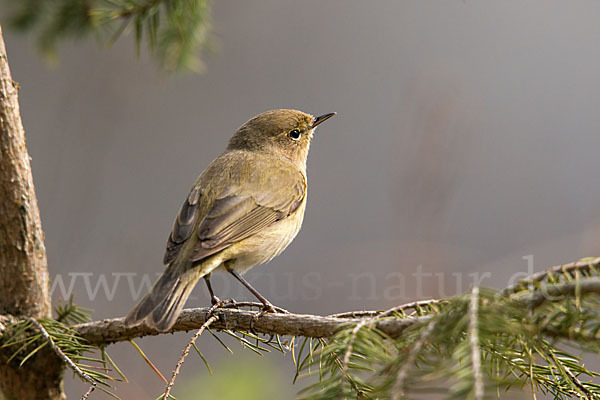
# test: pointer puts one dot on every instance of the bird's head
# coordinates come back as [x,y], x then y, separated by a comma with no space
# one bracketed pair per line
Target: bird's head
[284,132]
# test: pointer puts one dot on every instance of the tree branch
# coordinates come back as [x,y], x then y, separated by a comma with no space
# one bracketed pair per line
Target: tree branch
[559,291]
[581,266]
[62,355]
[107,331]
[113,330]
[393,322]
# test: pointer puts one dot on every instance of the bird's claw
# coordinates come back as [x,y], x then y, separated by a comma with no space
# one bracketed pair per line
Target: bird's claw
[270,309]
[216,303]
[215,300]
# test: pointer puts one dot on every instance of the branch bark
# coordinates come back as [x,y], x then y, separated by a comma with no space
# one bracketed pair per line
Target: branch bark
[108,331]
[24,282]
[24,274]
[113,330]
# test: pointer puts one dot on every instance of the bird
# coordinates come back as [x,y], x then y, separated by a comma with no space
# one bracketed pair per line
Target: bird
[244,209]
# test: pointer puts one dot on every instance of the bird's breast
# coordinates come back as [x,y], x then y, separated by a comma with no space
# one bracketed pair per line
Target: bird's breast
[270,242]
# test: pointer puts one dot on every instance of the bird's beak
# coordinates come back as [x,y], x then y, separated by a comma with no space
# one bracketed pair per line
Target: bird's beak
[320,119]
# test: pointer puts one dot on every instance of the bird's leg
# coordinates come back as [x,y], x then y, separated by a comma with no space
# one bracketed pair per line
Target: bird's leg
[213,299]
[267,306]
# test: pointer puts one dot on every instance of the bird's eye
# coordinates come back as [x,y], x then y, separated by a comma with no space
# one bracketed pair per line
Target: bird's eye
[295,134]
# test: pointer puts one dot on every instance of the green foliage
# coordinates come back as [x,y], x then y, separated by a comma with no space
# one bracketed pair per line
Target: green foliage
[517,343]
[25,340]
[174,30]
[71,314]
[480,344]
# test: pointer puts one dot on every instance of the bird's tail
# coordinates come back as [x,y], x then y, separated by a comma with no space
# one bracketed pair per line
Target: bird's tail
[161,307]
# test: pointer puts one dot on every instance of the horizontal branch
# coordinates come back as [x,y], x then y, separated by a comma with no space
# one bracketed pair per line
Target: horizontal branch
[559,291]
[113,330]
[107,331]
[581,266]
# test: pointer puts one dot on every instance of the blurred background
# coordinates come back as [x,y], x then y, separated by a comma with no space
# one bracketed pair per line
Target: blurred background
[465,151]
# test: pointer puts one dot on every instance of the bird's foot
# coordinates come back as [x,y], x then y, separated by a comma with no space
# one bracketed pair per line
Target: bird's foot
[269,308]
[231,302]
[215,303]
[215,300]
[218,303]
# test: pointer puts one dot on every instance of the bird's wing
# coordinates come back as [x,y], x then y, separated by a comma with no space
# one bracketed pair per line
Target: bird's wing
[183,225]
[239,214]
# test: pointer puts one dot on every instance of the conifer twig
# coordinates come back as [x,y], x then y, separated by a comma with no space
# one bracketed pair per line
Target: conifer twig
[375,313]
[184,354]
[356,314]
[574,380]
[584,265]
[348,352]
[64,357]
[412,356]
[370,321]
[557,292]
[474,341]
[578,383]
[87,394]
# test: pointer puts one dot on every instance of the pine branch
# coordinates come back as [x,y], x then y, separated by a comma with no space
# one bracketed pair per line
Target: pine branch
[64,357]
[112,330]
[509,337]
[558,292]
[174,30]
[25,338]
[412,356]
[582,267]
[513,337]
[107,331]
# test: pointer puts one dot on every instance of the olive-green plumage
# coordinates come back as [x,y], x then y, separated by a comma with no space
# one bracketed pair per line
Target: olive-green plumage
[243,210]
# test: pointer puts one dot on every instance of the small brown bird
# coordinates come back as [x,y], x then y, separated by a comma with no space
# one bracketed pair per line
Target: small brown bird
[243,210]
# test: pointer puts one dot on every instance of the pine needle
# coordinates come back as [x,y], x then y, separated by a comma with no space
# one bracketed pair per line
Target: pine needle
[145,357]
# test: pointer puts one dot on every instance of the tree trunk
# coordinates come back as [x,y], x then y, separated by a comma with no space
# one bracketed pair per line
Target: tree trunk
[24,282]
